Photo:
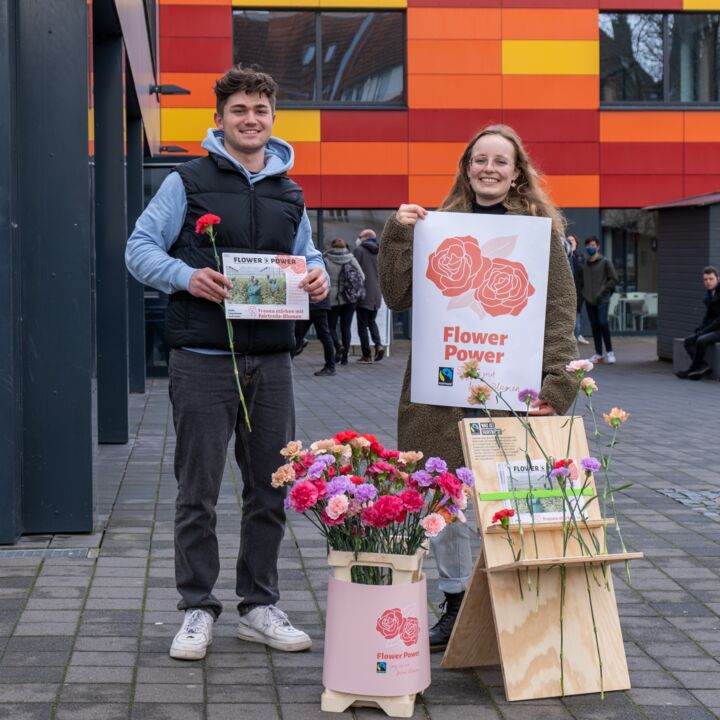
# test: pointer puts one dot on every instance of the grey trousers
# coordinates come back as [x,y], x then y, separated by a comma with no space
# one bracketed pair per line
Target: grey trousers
[206,412]
[453,555]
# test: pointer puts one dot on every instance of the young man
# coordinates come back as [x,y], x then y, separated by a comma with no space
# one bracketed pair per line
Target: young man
[599,281]
[576,260]
[366,253]
[242,180]
[708,332]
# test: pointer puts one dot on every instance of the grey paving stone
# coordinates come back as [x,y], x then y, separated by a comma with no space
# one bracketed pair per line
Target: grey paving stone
[461,712]
[26,711]
[243,676]
[169,693]
[96,692]
[656,696]
[34,674]
[32,659]
[84,674]
[91,711]
[186,673]
[246,694]
[234,711]
[103,659]
[28,692]
[169,711]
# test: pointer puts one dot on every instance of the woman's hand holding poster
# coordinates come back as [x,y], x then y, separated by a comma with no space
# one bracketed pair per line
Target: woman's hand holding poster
[479,294]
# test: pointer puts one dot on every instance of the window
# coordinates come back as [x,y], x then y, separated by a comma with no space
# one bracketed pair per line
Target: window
[326,58]
[657,58]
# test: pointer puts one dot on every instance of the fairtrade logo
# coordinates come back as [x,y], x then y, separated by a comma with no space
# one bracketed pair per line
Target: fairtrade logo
[474,428]
[480,277]
[445,376]
[392,624]
[381,667]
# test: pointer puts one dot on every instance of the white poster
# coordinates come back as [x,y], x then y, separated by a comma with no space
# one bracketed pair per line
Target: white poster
[479,296]
[265,287]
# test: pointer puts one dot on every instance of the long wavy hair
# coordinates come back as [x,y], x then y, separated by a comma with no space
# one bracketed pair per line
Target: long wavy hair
[526,198]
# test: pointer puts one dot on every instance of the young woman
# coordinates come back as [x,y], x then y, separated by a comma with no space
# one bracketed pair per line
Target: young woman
[495,176]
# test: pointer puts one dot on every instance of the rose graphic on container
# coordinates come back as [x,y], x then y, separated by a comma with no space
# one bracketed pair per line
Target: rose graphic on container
[479,276]
[392,624]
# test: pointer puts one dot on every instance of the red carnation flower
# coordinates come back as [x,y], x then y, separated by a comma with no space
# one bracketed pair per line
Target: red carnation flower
[345,436]
[206,221]
[449,484]
[503,516]
[389,508]
[412,500]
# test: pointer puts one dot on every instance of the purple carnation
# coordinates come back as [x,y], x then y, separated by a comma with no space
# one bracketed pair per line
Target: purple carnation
[316,470]
[422,478]
[559,472]
[435,464]
[286,503]
[527,396]
[465,475]
[590,464]
[364,492]
[325,459]
[339,485]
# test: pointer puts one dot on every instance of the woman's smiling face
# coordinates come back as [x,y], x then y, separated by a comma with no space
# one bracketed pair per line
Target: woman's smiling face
[492,169]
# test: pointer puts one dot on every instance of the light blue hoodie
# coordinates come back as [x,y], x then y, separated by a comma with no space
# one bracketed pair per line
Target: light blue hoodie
[157,229]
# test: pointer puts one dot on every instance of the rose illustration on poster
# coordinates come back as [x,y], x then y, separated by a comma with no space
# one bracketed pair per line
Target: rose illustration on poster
[480,277]
[393,624]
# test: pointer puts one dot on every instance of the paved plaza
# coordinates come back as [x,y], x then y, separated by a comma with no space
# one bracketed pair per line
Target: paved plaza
[86,620]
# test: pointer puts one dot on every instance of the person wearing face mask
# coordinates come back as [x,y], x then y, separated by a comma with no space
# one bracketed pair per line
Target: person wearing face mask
[599,281]
[495,177]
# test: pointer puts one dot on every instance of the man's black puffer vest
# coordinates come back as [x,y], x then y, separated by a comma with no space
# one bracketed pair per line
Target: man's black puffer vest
[260,218]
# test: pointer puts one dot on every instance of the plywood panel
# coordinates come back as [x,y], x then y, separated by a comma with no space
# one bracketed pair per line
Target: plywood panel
[471,57]
[549,24]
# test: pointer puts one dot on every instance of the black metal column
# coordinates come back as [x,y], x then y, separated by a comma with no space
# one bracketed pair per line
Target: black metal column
[53,183]
[136,291]
[110,237]
[10,365]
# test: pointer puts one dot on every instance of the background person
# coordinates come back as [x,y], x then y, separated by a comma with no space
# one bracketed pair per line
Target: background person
[319,313]
[708,332]
[243,179]
[366,253]
[599,281]
[495,176]
[576,260]
[340,309]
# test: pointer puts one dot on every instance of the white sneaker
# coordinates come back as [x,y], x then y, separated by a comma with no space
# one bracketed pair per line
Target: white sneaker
[582,341]
[193,638]
[610,358]
[595,359]
[269,625]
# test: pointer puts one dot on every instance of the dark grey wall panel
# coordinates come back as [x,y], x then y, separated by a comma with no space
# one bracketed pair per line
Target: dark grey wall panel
[10,337]
[583,222]
[54,223]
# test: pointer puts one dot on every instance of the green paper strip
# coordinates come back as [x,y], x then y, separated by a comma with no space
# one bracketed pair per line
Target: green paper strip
[524,494]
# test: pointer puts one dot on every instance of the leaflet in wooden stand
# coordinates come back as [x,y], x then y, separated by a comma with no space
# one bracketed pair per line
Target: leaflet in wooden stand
[495,622]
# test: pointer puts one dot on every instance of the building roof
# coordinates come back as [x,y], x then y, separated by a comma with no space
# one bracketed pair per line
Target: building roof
[694,201]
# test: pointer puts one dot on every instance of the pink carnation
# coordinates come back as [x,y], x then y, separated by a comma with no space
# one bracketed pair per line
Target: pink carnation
[390,508]
[330,522]
[449,484]
[381,467]
[386,454]
[337,506]
[433,524]
[303,496]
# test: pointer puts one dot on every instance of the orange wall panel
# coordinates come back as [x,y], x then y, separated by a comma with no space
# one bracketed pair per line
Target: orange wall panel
[474,57]
[550,92]
[454,23]
[702,126]
[200,86]
[381,158]
[433,158]
[573,190]
[641,126]
[454,91]
[549,24]
[307,158]
[429,190]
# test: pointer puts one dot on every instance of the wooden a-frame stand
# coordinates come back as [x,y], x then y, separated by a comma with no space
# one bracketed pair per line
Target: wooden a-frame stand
[523,633]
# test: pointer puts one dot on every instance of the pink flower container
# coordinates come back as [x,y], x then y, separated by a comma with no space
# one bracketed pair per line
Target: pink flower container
[376,636]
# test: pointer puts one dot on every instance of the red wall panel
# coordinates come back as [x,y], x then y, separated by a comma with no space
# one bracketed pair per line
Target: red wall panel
[701,184]
[364,191]
[449,125]
[636,158]
[195,21]
[554,125]
[197,54]
[312,189]
[363,126]
[702,158]
[570,158]
[639,190]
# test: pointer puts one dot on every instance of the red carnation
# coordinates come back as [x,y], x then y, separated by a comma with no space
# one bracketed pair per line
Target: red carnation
[357,480]
[321,487]
[206,221]
[386,454]
[345,436]
[564,463]
[389,508]
[303,496]
[503,516]
[412,500]
[449,484]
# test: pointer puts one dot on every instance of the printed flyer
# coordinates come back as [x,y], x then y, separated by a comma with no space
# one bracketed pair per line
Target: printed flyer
[265,287]
[479,297]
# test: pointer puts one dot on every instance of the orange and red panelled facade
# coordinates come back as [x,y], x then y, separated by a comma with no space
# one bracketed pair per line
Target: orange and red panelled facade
[533,64]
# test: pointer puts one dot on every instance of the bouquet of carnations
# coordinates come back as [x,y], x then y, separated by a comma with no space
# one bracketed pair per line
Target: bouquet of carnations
[364,497]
